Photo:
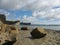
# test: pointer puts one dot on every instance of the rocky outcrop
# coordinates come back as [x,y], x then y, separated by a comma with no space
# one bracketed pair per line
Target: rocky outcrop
[8,29]
[38,33]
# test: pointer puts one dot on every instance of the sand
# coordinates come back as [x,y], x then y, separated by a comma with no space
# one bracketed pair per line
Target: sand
[52,38]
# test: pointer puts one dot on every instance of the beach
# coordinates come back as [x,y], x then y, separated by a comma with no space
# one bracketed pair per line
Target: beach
[52,38]
[29,22]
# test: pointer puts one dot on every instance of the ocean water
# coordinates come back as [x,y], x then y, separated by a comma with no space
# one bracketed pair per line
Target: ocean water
[46,27]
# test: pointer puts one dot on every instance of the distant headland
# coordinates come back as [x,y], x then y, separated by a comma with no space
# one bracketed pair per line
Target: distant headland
[24,23]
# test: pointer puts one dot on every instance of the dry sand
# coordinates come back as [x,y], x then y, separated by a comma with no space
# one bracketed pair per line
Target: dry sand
[52,38]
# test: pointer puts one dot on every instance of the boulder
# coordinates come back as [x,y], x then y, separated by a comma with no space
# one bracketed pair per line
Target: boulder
[24,28]
[38,33]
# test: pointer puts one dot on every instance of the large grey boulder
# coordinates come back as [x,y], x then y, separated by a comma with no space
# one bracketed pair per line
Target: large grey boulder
[38,33]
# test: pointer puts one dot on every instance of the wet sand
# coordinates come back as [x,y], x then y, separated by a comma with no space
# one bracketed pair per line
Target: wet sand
[52,38]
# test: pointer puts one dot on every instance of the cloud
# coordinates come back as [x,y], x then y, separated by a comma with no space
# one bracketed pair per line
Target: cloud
[29,19]
[9,16]
[14,4]
[46,9]
[13,17]
[43,4]
[4,12]
[49,14]
[35,20]
[28,4]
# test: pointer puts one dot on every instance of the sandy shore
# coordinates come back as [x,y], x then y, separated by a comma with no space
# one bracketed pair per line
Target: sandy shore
[52,38]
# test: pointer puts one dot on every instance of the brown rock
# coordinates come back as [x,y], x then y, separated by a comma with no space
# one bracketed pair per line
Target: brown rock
[38,33]
[24,28]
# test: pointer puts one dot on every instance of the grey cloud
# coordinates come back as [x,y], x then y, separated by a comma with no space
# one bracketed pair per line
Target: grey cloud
[14,4]
[28,4]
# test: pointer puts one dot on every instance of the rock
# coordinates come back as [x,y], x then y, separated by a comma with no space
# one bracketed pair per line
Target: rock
[38,33]
[3,37]
[24,28]
[9,42]
[2,17]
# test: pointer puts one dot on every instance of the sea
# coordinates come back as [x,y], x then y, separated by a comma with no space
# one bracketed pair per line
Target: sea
[53,27]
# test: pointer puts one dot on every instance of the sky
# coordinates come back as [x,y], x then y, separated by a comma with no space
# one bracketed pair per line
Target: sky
[34,11]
